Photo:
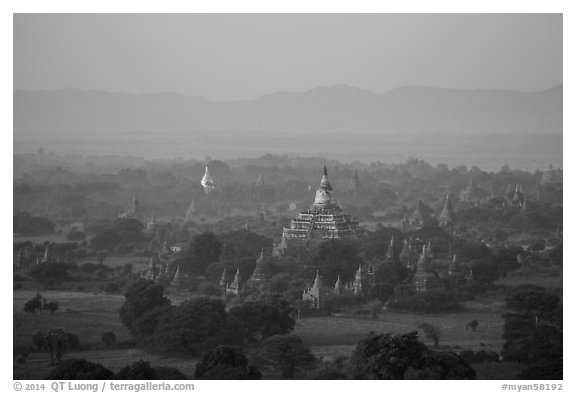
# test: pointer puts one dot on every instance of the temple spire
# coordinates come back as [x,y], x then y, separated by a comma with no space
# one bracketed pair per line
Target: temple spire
[391,252]
[454,265]
[325,183]
[446,216]
[338,286]
[46,256]
[207,182]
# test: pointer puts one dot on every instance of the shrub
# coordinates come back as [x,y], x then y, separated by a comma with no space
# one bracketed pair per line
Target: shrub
[109,338]
[32,305]
[52,307]
[225,363]
[111,287]
[75,369]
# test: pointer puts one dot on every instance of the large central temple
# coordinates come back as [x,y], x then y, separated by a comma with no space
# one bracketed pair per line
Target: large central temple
[322,221]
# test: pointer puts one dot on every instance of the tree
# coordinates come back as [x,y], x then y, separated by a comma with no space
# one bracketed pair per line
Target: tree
[191,327]
[443,366]
[76,236]
[225,363]
[243,243]
[387,356]
[336,257]
[52,307]
[285,354]
[205,249]
[54,341]
[26,224]
[75,369]
[472,325]
[50,274]
[137,370]
[529,342]
[537,301]
[485,270]
[122,230]
[431,332]
[32,305]
[142,298]
[109,338]
[544,370]
[169,373]
[261,319]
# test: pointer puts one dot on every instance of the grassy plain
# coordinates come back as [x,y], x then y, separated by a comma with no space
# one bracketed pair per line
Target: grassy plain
[89,315]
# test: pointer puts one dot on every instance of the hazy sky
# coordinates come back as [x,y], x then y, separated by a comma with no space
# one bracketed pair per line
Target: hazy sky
[242,56]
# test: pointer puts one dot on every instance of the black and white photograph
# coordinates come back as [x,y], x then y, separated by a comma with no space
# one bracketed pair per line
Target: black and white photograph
[287,196]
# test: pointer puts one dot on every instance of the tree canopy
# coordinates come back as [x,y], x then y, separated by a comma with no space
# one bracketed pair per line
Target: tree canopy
[285,354]
[387,356]
[144,303]
[225,362]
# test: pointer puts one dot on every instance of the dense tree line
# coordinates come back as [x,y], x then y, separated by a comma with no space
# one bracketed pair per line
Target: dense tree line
[199,324]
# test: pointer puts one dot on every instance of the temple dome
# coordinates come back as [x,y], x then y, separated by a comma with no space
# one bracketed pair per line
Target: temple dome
[322,197]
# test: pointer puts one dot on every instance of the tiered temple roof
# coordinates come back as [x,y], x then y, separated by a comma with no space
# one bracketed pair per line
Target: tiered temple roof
[359,284]
[408,257]
[261,273]
[315,294]
[425,278]
[178,278]
[446,217]
[234,287]
[323,220]
[422,214]
[338,287]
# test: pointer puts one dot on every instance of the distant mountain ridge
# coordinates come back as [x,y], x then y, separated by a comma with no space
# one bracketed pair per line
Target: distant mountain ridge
[413,110]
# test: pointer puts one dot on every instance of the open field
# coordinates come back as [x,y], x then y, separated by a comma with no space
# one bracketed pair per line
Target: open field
[344,333]
[39,239]
[81,313]
[90,315]
[546,282]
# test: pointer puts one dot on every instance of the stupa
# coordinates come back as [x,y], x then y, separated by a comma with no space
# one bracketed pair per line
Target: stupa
[207,182]
[322,221]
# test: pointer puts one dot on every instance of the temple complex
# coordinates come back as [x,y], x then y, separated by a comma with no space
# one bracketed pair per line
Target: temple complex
[516,197]
[133,212]
[322,221]
[472,193]
[422,216]
[408,257]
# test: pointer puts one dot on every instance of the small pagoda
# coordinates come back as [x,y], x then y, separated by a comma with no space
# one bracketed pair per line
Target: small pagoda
[425,278]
